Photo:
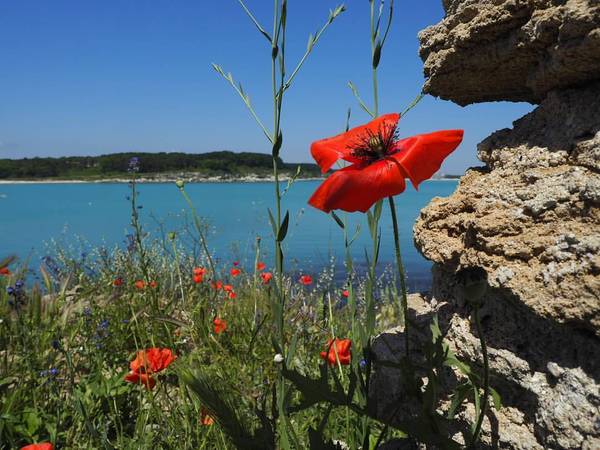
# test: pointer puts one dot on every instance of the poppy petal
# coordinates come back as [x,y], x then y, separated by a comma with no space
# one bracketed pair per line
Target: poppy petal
[327,151]
[422,155]
[356,188]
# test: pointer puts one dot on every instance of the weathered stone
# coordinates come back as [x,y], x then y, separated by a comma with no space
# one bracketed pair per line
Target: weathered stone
[516,50]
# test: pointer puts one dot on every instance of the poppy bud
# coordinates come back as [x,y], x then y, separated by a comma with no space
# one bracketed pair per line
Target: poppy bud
[377,55]
[180,184]
[171,235]
[472,284]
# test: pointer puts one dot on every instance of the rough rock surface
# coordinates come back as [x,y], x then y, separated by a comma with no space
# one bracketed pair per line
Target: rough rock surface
[530,217]
[515,50]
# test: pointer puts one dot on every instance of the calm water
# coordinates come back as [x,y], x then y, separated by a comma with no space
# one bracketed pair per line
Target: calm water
[99,214]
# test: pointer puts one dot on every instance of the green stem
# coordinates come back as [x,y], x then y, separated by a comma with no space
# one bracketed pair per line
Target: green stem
[401,273]
[486,379]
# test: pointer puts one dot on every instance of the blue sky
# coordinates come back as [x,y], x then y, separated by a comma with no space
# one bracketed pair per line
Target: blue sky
[85,78]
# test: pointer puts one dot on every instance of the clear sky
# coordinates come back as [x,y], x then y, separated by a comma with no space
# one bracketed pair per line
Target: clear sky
[101,76]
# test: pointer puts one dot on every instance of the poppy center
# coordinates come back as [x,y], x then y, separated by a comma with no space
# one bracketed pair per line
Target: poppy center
[373,147]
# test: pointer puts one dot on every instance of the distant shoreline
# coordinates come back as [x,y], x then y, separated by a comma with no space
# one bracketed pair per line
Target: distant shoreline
[168,181]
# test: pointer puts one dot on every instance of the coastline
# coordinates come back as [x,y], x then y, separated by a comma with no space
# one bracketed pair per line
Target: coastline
[165,180]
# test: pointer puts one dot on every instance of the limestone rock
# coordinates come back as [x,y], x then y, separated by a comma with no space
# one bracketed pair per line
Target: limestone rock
[516,50]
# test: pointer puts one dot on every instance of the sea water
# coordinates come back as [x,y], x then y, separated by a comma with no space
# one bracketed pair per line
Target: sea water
[81,216]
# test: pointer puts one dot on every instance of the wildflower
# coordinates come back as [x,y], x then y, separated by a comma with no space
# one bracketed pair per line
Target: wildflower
[232,295]
[4,271]
[236,263]
[228,288]
[56,344]
[139,284]
[205,418]
[218,285]
[40,446]
[261,266]
[134,164]
[278,358]
[342,348]
[199,271]
[198,279]
[148,362]
[118,282]
[153,284]
[235,272]
[266,277]
[345,293]
[380,163]
[306,280]
[220,325]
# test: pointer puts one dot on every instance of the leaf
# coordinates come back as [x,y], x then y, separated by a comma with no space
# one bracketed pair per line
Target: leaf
[460,394]
[272,220]
[377,54]
[496,399]
[284,227]
[277,145]
[337,219]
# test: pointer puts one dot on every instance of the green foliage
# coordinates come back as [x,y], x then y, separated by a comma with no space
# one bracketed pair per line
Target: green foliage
[222,163]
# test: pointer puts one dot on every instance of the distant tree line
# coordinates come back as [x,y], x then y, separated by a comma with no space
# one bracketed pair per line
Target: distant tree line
[213,163]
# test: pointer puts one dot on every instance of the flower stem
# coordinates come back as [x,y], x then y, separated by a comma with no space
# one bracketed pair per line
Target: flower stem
[486,379]
[401,273]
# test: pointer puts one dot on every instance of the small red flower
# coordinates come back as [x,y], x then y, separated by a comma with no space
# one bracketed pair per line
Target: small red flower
[228,288]
[4,271]
[218,285]
[153,284]
[266,277]
[379,163]
[41,446]
[235,272]
[261,266]
[236,263]
[118,282]
[220,325]
[139,284]
[306,280]
[232,295]
[198,279]
[342,348]
[152,360]
[345,293]
[205,418]
[148,362]
[141,378]
[199,271]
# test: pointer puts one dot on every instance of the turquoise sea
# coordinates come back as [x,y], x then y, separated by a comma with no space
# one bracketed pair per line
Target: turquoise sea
[80,216]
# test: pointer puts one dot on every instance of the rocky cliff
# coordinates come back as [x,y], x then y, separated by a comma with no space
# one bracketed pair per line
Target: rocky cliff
[529,217]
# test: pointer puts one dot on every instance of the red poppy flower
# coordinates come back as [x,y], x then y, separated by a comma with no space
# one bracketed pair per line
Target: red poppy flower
[232,295]
[4,271]
[153,284]
[152,360]
[236,263]
[228,288]
[198,279]
[260,266]
[199,271]
[118,282]
[218,285]
[235,272]
[220,325]
[380,163]
[41,446]
[266,277]
[345,293]
[140,284]
[205,418]
[306,280]
[141,378]
[342,348]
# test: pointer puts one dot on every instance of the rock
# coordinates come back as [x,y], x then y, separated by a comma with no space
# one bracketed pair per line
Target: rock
[517,50]
[529,218]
